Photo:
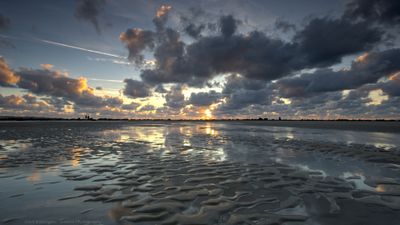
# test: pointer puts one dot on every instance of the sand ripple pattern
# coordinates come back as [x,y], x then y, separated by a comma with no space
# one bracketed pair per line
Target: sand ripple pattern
[146,182]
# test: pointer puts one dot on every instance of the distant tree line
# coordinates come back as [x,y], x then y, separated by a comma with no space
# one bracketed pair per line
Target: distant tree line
[88,118]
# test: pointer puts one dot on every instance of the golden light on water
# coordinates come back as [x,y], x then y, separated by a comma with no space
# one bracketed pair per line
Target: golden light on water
[34,177]
[380,188]
[76,156]
[208,129]
[123,138]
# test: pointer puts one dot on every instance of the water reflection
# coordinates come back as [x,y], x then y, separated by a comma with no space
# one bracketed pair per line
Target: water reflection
[35,176]
[174,137]
[380,188]
[124,138]
[8,147]
[218,155]
[106,153]
[209,129]
[385,146]
[76,153]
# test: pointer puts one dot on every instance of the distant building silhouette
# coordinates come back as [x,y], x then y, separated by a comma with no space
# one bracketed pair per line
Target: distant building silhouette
[87,117]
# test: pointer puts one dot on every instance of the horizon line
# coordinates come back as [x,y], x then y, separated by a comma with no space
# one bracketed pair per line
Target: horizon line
[13,118]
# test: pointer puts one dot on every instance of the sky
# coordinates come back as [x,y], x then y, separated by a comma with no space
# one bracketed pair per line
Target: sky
[200,59]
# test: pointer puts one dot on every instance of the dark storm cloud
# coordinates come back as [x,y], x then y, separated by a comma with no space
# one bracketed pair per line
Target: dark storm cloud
[254,56]
[330,105]
[228,25]
[169,50]
[284,26]
[265,65]
[322,42]
[169,57]
[112,101]
[175,98]
[193,23]
[325,41]
[160,89]
[132,106]
[194,30]
[240,92]
[315,102]
[381,11]
[89,10]
[243,98]
[4,22]
[204,98]
[392,86]
[52,83]
[136,41]
[292,87]
[235,82]
[136,89]
[356,104]
[368,68]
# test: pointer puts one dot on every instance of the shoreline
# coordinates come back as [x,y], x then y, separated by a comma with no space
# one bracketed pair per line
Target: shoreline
[361,126]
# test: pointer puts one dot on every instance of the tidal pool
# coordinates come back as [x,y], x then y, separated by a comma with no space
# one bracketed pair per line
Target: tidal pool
[171,172]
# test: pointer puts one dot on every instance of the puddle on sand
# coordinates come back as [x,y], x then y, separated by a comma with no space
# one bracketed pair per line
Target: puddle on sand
[196,173]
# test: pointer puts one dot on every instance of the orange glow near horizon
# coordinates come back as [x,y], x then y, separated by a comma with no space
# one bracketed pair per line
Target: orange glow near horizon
[208,113]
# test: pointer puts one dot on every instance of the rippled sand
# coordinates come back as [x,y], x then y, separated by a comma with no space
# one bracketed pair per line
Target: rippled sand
[196,173]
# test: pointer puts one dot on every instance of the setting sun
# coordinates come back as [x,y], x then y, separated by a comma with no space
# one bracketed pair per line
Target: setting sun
[208,113]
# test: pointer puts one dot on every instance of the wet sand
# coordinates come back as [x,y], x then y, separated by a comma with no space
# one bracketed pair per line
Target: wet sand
[370,126]
[200,173]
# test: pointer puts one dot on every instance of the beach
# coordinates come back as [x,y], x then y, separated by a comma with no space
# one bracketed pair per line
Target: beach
[200,172]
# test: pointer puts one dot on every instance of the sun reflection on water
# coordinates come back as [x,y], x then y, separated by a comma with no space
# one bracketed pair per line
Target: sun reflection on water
[124,138]
[218,155]
[385,146]
[174,137]
[208,129]
[34,177]
[77,155]
[380,188]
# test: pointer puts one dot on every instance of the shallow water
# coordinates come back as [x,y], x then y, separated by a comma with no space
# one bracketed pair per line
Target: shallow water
[197,173]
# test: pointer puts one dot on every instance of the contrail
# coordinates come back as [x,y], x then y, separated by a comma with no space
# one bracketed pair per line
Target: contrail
[64,45]
[98,79]
[80,48]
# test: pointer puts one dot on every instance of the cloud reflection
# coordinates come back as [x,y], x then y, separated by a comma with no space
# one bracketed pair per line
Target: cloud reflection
[174,137]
